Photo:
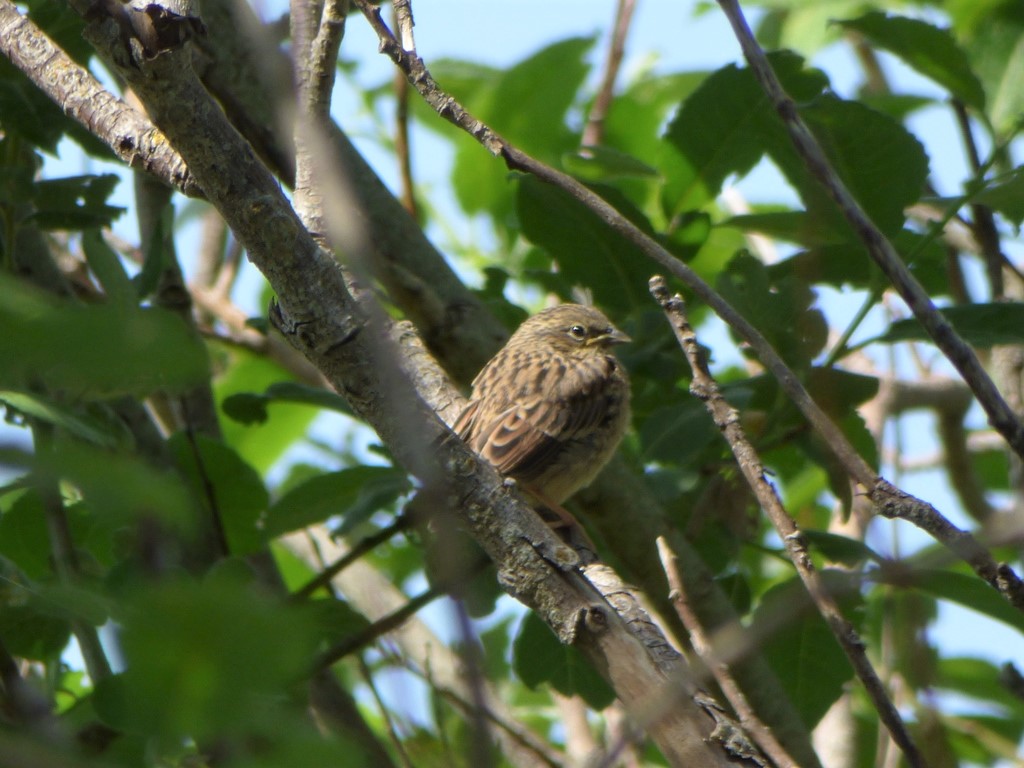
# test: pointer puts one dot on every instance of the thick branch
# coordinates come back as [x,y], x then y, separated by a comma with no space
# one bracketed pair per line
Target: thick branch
[131,136]
[326,323]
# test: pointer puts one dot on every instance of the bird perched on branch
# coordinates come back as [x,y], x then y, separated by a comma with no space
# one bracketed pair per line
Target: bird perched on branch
[550,408]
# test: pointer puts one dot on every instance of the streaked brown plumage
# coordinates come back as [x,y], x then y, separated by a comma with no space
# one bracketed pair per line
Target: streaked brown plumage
[551,407]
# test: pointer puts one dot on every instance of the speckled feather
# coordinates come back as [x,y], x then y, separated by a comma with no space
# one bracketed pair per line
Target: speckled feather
[551,407]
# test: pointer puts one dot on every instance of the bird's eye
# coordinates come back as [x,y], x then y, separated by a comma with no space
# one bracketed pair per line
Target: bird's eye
[578,332]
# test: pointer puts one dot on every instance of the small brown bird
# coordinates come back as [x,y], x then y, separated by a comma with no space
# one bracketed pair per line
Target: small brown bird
[551,407]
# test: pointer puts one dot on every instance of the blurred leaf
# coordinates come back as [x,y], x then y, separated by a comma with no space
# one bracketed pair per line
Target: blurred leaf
[353,494]
[538,657]
[840,549]
[24,539]
[69,602]
[980,325]
[107,267]
[204,658]
[78,421]
[995,45]
[248,373]
[74,202]
[1006,195]
[603,163]
[119,487]
[98,350]
[337,619]
[802,26]
[803,651]
[29,633]
[251,408]
[970,592]
[637,114]
[239,498]
[981,680]
[931,51]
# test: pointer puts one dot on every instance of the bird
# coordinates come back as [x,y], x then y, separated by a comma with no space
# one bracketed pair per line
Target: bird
[550,408]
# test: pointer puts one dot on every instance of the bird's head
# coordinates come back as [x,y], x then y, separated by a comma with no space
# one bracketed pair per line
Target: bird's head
[573,329]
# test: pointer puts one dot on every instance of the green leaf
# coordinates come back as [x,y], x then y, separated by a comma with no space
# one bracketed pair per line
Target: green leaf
[982,681]
[251,408]
[239,498]
[98,351]
[354,494]
[105,433]
[804,653]
[840,549]
[157,260]
[74,202]
[980,325]
[528,107]
[538,657]
[107,267]
[727,125]
[677,433]
[970,592]
[121,488]
[604,163]
[24,539]
[931,51]
[1006,195]
[589,254]
[204,659]
[846,264]
[781,310]
[724,127]
[250,373]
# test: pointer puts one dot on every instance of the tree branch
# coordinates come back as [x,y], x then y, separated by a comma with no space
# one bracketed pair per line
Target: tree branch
[323,319]
[593,131]
[1000,415]
[889,500]
[131,136]
[705,388]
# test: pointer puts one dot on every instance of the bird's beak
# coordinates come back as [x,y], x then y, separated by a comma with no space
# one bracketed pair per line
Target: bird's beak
[615,337]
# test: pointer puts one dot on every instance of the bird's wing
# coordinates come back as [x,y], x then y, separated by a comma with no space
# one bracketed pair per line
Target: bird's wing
[522,435]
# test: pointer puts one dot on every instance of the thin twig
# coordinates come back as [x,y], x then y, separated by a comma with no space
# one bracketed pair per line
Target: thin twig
[889,500]
[403,150]
[726,418]
[65,556]
[393,737]
[392,621]
[984,222]
[1000,415]
[723,676]
[593,131]
[382,626]
[128,132]
[365,545]
[480,750]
